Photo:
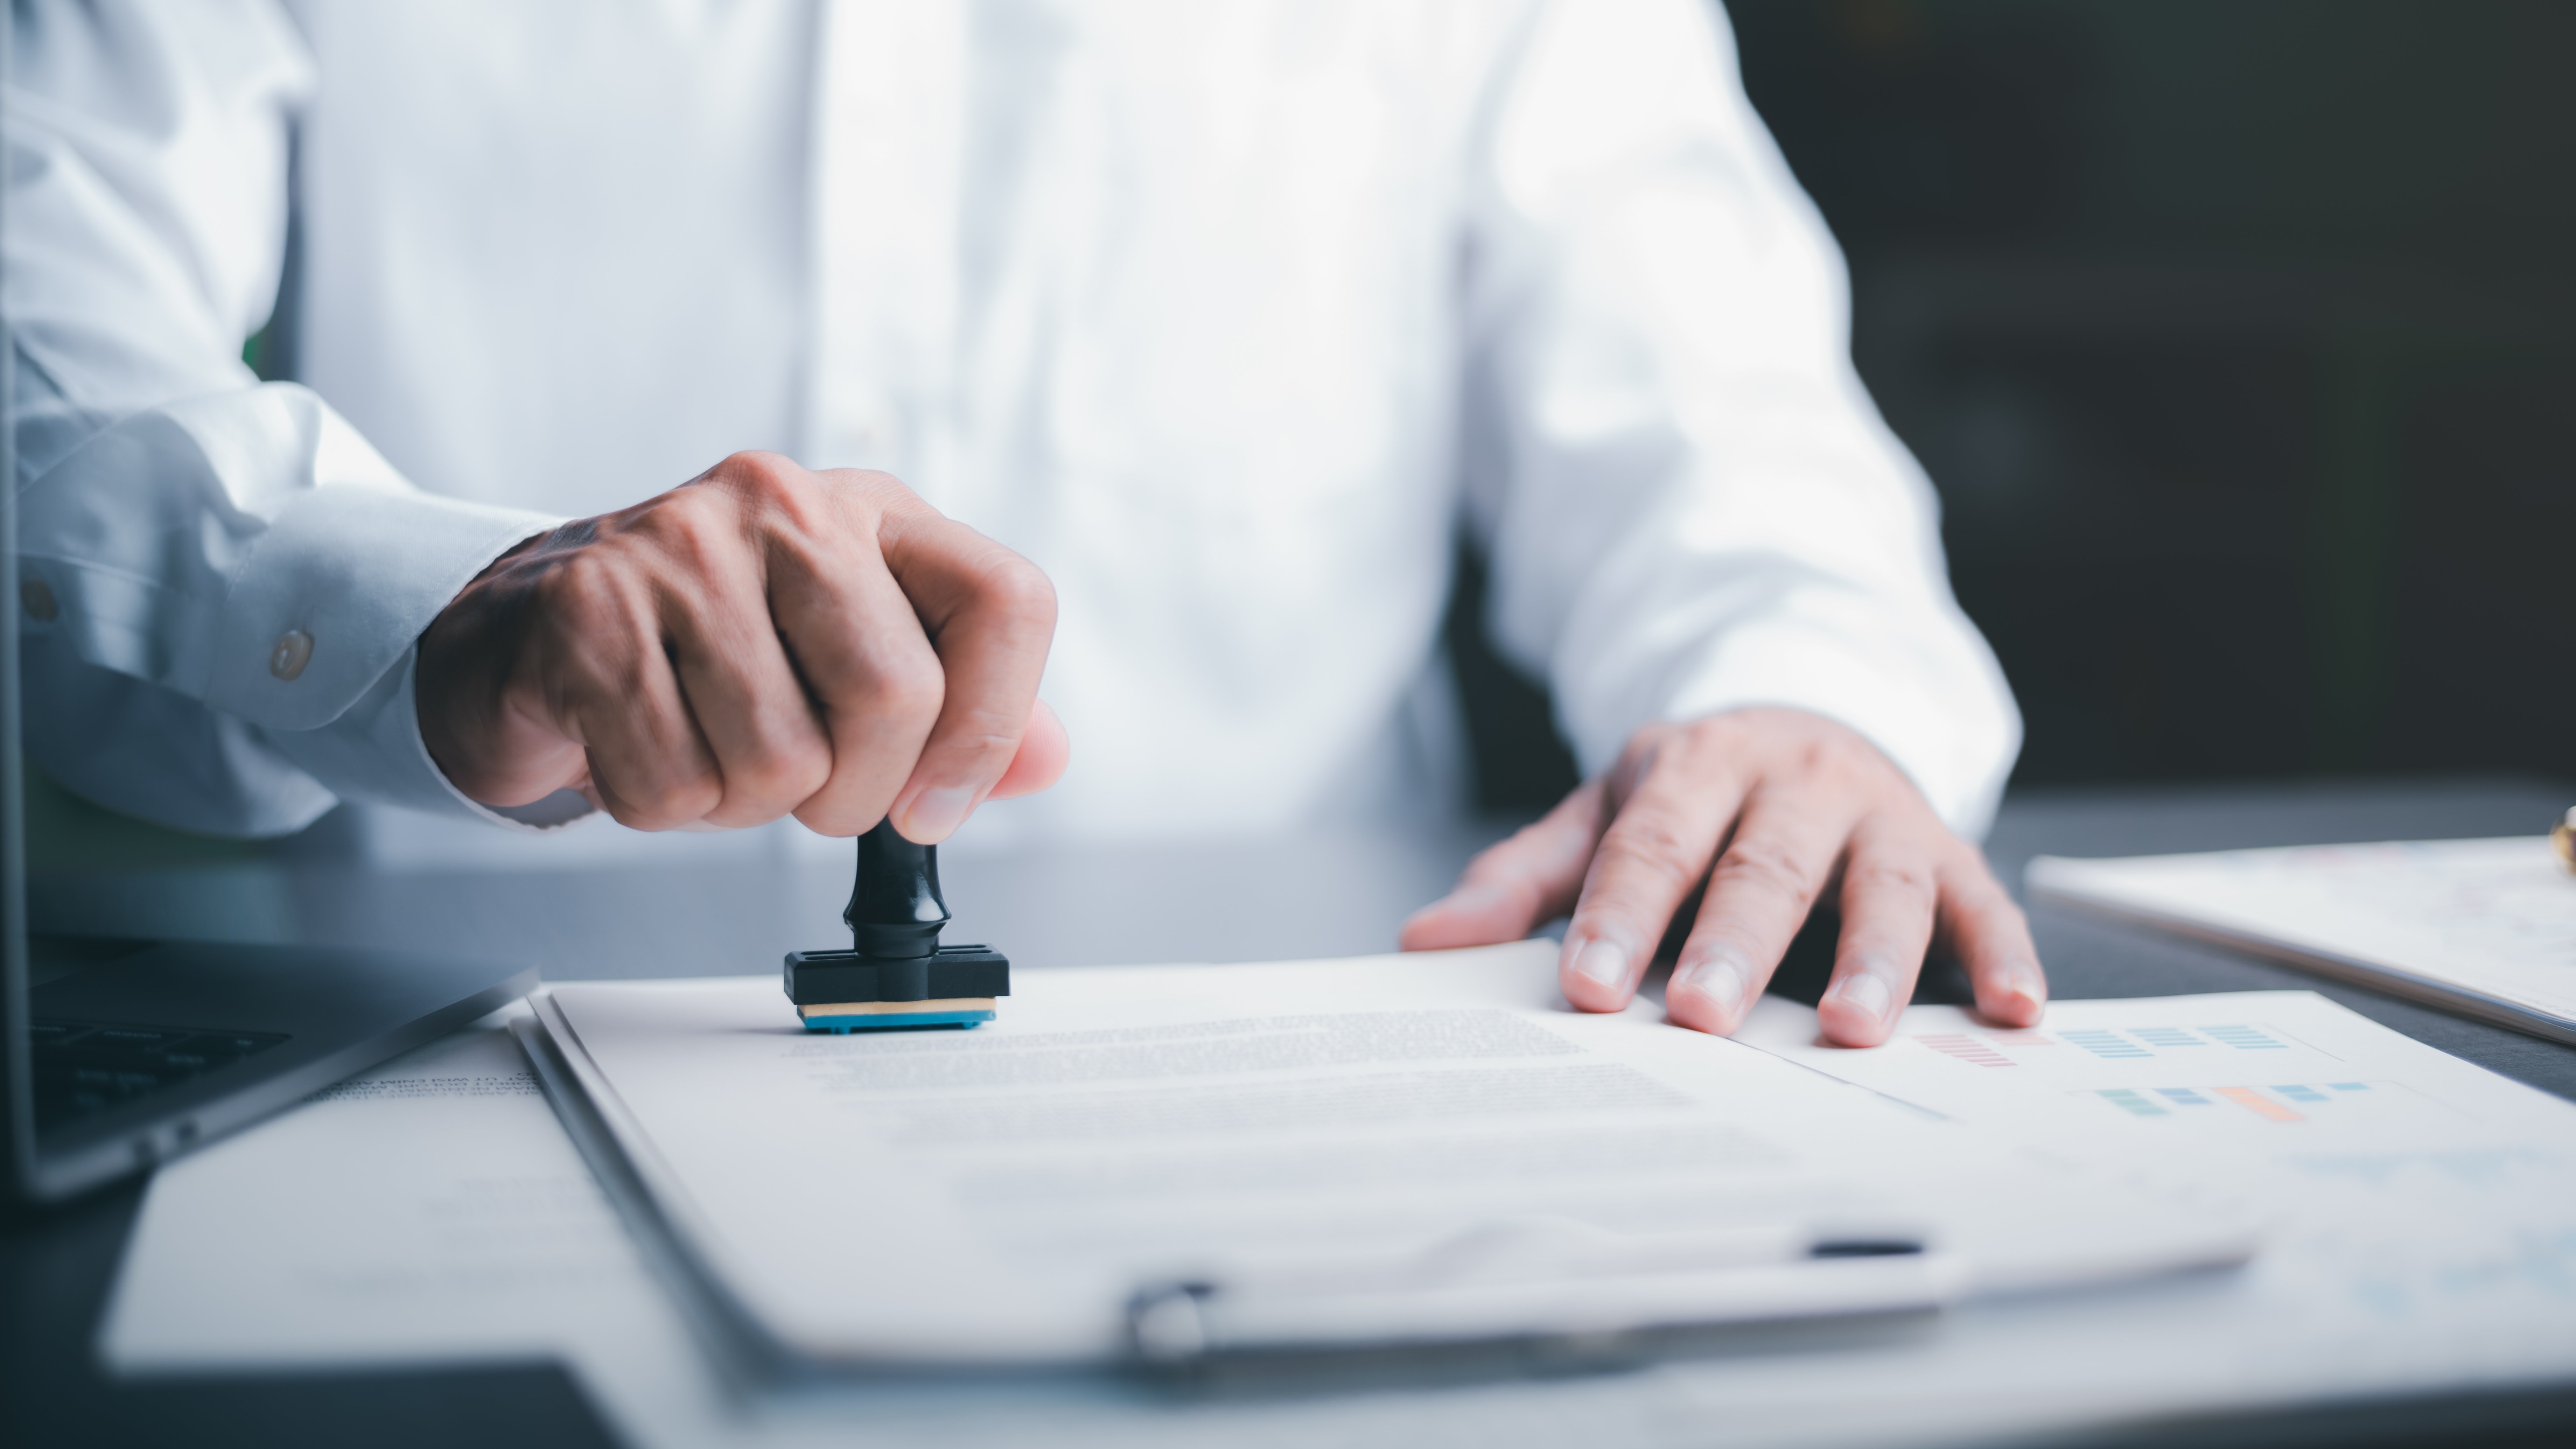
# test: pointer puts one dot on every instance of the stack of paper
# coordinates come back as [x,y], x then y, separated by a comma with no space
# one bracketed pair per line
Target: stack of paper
[2484,927]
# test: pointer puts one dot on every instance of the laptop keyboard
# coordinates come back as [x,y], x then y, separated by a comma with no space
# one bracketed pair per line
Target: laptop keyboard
[84,1067]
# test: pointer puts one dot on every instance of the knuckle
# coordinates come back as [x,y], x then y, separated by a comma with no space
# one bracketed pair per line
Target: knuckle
[627,813]
[1765,865]
[1815,757]
[777,773]
[1708,730]
[1651,844]
[837,817]
[693,799]
[1889,877]
[1699,756]
[755,468]
[911,691]
[1849,757]
[1719,734]
[666,808]
[986,750]
[1020,588]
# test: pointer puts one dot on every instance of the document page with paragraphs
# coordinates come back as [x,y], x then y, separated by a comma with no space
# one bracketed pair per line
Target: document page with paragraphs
[1355,1138]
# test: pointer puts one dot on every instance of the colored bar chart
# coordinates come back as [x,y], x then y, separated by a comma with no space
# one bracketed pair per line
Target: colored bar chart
[2137,1043]
[2260,1105]
[2281,1103]
[1966,1048]
[2244,1038]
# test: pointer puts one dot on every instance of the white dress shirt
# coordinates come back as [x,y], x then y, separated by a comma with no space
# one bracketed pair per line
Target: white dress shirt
[1220,312]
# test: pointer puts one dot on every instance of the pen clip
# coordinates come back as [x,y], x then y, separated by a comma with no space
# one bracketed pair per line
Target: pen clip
[1536,1279]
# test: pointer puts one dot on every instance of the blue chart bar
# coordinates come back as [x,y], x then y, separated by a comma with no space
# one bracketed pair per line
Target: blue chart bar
[2146,1041]
[2105,1043]
[2244,1038]
[2135,1104]
[2352,1086]
[2186,1096]
[2301,1094]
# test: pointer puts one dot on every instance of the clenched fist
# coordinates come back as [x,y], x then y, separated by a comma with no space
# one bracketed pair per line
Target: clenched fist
[762,641]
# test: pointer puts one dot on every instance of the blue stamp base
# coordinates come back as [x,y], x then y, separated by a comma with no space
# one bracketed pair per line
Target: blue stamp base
[885,1020]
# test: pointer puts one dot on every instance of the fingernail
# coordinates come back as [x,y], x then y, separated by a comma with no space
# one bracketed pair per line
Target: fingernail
[1715,978]
[1865,992]
[2026,982]
[936,814]
[1604,962]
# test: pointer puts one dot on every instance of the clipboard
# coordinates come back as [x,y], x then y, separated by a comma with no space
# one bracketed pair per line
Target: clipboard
[1503,1289]
[1092,1185]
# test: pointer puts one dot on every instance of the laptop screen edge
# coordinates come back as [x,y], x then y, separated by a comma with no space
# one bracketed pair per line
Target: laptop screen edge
[17,1085]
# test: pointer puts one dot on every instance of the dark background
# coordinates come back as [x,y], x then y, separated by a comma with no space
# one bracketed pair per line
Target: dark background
[2240,339]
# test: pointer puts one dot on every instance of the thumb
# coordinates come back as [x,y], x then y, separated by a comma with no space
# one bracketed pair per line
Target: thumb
[1044,752]
[1519,885]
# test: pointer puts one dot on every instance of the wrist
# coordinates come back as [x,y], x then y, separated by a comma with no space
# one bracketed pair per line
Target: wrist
[486,750]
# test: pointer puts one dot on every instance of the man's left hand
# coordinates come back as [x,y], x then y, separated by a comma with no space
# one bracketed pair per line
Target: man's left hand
[1774,809]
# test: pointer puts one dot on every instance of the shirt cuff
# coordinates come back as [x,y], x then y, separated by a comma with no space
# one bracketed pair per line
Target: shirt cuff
[373,752]
[339,588]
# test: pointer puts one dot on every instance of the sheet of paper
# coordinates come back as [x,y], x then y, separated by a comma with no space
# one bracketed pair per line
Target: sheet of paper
[998,1195]
[2420,1210]
[2480,923]
[434,1211]
[315,1241]
[430,1211]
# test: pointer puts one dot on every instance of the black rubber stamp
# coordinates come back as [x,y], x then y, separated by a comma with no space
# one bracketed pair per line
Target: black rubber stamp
[896,974]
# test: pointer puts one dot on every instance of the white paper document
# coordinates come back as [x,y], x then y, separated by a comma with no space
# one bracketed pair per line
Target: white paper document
[2421,1210]
[478,1257]
[430,1211]
[1379,1151]
[2487,927]
[443,1215]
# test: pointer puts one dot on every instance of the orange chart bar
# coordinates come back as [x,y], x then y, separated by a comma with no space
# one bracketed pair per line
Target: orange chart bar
[2258,1104]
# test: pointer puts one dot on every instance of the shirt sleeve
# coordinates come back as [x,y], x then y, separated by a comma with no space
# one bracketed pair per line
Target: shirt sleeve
[221,582]
[1690,503]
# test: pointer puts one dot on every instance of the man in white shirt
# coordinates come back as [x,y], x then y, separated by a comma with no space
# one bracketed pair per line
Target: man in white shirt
[1189,329]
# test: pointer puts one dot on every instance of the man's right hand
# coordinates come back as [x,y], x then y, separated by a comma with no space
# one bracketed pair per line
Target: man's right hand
[761,641]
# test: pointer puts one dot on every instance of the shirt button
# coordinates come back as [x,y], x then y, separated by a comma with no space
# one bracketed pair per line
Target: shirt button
[37,598]
[287,657]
